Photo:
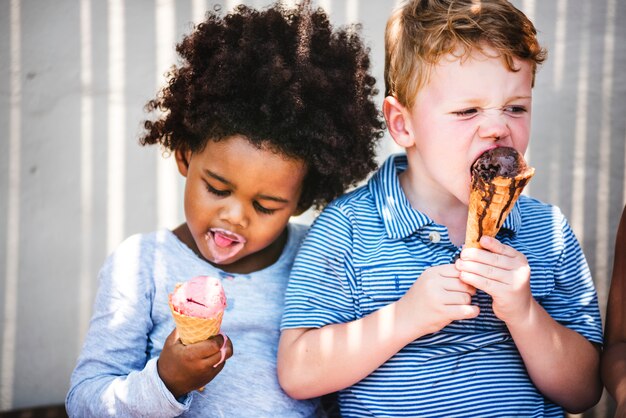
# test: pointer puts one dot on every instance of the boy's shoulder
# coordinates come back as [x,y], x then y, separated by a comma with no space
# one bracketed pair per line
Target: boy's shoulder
[353,207]
[533,208]
[539,218]
[355,198]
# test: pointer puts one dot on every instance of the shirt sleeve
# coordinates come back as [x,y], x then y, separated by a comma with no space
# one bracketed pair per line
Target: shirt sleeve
[114,376]
[574,301]
[322,281]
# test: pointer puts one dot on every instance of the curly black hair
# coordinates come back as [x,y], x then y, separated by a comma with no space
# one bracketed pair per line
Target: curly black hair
[282,78]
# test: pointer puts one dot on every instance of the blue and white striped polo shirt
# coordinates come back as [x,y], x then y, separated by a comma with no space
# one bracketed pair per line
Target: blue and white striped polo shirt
[366,249]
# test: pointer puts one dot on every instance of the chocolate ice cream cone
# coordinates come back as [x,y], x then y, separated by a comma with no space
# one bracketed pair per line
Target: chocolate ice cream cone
[498,178]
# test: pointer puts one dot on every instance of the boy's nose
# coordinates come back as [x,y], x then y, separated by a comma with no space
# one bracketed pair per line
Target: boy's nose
[234,213]
[493,125]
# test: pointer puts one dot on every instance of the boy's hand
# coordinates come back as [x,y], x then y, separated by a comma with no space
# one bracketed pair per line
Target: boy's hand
[502,272]
[184,368]
[439,297]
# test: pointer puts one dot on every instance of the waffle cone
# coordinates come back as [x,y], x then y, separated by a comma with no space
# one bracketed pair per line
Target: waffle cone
[192,330]
[490,204]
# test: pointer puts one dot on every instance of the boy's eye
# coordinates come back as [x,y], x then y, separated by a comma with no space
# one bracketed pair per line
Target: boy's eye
[263,209]
[217,192]
[466,112]
[514,110]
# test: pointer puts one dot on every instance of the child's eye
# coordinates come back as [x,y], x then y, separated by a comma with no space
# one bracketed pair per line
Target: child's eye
[263,209]
[514,110]
[217,192]
[466,112]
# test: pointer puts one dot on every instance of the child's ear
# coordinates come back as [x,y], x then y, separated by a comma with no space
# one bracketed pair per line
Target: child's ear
[182,161]
[398,122]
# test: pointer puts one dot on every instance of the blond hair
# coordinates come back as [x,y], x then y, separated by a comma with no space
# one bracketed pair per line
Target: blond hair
[420,32]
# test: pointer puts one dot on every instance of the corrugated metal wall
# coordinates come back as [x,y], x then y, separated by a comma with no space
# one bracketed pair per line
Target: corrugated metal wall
[74,76]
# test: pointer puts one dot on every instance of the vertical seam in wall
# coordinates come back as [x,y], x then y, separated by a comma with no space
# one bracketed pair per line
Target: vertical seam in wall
[198,11]
[556,193]
[326,5]
[580,136]
[529,11]
[116,158]
[86,170]
[352,11]
[13,215]
[166,173]
[559,44]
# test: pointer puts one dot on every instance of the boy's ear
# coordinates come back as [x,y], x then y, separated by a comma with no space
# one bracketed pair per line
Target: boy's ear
[182,161]
[398,122]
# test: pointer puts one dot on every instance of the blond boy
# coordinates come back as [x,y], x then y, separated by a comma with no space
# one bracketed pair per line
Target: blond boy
[394,313]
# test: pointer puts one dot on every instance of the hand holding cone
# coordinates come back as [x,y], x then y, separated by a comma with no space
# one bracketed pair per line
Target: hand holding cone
[498,177]
[198,307]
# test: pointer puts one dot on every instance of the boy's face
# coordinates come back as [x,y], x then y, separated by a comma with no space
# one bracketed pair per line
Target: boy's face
[466,108]
[238,200]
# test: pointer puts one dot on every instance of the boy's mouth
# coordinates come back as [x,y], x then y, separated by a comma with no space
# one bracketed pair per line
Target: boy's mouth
[223,244]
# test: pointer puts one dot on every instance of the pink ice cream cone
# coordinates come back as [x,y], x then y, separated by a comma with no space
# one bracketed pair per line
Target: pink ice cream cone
[198,306]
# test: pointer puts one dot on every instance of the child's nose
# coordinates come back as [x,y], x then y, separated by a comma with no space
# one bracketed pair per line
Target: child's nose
[234,213]
[493,125]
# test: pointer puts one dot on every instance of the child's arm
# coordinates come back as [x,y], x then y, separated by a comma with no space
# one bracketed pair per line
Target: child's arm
[614,356]
[563,364]
[313,362]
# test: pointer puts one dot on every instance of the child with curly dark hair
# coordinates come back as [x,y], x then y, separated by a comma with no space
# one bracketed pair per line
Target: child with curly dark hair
[270,113]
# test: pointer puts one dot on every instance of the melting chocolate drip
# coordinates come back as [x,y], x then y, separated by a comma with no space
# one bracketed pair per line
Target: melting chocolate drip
[497,162]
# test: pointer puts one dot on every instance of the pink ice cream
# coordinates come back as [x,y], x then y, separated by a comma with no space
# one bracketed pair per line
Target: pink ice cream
[200,297]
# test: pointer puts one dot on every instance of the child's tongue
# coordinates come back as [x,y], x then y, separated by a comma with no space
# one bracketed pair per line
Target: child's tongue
[222,240]
[223,244]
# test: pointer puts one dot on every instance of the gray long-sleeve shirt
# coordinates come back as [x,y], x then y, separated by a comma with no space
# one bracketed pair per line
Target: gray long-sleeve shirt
[116,373]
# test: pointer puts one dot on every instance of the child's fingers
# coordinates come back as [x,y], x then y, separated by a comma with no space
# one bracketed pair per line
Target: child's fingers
[172,339]
[207,348]
[463,311]
[499,256]
[458,298]
[223,350]
[496,247]
[447,270]
[484,270]
[487,285]
[216,361]
[213,351]
[457,285]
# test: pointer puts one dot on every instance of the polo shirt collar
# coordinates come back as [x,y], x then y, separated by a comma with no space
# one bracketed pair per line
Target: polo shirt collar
[399,218]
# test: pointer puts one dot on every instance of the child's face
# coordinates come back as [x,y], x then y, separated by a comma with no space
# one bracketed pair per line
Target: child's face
[238,200]
[466,108]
